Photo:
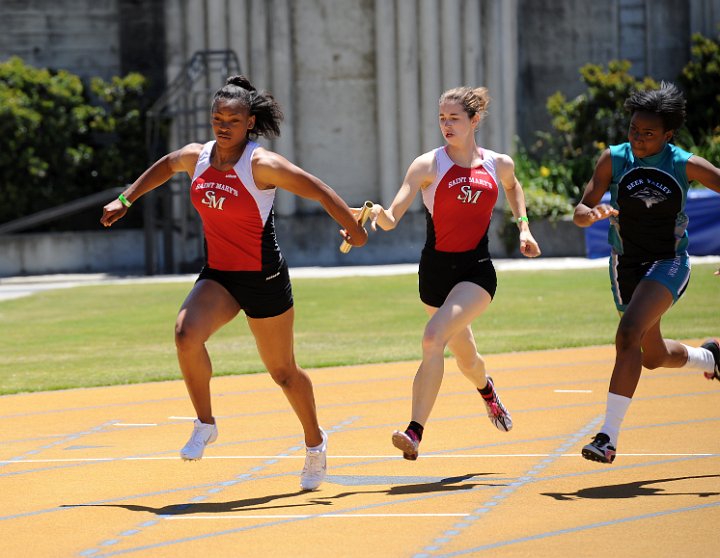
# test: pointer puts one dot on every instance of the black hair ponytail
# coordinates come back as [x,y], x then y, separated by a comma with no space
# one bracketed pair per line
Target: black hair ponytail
[262,105]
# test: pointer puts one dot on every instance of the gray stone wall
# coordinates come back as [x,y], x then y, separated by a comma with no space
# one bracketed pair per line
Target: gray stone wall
[558,37]
[78,35]
[305,240]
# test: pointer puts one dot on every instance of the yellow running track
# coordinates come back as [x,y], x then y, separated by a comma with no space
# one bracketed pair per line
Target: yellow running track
[95,472]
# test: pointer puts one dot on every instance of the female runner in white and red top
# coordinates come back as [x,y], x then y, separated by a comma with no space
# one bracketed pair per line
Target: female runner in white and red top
[459,184]
[233,187]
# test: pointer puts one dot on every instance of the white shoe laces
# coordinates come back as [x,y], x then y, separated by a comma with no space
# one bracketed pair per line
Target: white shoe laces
[313,463]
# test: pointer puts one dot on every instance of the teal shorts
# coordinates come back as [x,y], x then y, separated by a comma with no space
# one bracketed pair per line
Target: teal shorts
[625,276]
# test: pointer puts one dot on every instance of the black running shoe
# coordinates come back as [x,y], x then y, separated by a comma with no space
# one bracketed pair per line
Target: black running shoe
[600,449]
[713,345]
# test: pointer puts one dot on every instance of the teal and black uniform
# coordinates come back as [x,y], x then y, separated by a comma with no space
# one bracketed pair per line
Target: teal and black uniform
[649,236]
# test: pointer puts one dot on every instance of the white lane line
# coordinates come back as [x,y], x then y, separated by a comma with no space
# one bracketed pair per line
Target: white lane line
[322,515]
[182,418]
[349,457]
[133,424]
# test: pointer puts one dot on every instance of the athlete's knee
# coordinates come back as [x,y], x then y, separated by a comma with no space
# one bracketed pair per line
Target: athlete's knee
[187,337]
[284,374]
[433,340]
[628,335]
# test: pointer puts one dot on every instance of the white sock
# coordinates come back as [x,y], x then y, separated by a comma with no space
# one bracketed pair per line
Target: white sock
[322,445]
[617,406]
[699,359]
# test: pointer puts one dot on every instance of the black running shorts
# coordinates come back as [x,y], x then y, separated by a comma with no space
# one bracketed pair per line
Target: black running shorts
[261,294]
[439,272]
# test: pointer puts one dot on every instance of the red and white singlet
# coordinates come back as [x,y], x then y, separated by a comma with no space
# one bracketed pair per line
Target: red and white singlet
[459,203]
[237,216]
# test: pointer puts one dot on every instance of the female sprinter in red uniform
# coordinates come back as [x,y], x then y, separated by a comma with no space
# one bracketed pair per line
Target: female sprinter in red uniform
[459,184]
[234,181]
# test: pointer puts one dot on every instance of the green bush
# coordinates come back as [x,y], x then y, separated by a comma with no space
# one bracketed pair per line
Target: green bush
[587,124]
[555,169]
[700,80]
[58,143]
[560,162]
[547,184]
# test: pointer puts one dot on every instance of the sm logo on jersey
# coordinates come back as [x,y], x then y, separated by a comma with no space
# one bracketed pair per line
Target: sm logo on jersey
[467,195]
[211,201]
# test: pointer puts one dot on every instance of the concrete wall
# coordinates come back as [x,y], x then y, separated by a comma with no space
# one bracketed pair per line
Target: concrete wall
[653,35]
[72,252]
[309,240]
[79,35]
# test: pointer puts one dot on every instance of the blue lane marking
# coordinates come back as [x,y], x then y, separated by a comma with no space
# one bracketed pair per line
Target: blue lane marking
[216,489]
[503,495]
[65,440]
[423,498]
[579,528]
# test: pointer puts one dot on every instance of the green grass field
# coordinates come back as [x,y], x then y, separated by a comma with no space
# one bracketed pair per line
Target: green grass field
[117,334]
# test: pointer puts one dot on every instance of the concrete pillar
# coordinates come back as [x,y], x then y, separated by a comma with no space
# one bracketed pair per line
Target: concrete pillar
[509,74]
[472,40]
[430,72]
[195,32]
[493,72]
[451,30]
[259,62]
[387,101]
[705,17]
[502,67]
[239,32]
[408,83]
[217,24]
[282,81]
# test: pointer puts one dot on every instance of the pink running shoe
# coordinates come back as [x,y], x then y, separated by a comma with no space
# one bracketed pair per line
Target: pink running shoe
[407,442]
[496,411]
[713,345]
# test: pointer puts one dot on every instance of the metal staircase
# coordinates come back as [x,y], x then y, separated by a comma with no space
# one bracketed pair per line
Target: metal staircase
[180,116]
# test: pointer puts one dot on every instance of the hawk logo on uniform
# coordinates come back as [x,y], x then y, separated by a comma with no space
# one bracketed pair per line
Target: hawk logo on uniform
[649,196]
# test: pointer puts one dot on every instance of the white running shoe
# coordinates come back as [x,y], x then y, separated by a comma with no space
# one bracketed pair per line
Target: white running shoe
[315,468]
[202,435]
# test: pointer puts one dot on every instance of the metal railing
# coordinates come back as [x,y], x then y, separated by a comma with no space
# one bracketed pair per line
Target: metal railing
[61,211]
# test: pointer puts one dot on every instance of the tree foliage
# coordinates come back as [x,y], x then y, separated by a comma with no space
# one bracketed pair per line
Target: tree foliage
[561,161]
[585,125]
[60,140]
[700,79]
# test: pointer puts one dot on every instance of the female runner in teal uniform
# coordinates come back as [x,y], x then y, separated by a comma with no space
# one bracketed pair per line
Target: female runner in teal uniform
[648,178]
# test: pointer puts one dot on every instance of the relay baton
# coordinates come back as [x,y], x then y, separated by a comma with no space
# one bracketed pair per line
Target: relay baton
[364,214]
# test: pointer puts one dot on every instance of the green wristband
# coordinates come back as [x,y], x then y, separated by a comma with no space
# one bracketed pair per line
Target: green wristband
[124,200]
[522,220]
